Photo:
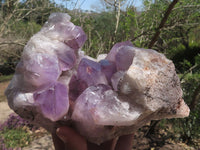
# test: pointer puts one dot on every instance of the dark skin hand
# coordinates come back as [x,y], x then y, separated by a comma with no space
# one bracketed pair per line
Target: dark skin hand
[66,138]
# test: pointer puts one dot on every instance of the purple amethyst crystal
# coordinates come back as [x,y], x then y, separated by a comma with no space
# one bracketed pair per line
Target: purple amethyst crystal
[53,102]
[55,84]
[47,58]
[67,59]
[113,52]
[124,58]
[76,87]
[90,72]
[104,107]
[78,39]
[108,68]
[38,71]
[122,55]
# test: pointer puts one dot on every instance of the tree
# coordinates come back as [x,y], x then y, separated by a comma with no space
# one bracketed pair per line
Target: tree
[177,29]
[162,23]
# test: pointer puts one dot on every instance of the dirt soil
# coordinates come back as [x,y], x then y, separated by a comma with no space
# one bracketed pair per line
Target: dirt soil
[3,86]
[5,111]
[43,143]
[161,140]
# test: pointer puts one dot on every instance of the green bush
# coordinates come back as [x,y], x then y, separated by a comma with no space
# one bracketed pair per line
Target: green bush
[25,29]
[4,78]
[188,128]
[15,138]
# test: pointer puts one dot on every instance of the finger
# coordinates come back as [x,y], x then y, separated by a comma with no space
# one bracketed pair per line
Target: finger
[58,143]
[109,145]
[71,138]
[125,142]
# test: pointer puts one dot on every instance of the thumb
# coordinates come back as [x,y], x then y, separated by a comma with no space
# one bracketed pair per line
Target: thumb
[71,138]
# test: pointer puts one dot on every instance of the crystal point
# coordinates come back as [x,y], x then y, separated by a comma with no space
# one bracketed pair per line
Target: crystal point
[38,71]
[78,39]
[53,102]
[105,107]
[90,72]
[108,68]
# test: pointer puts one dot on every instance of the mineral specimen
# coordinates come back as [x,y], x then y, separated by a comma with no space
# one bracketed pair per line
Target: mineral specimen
[55,84]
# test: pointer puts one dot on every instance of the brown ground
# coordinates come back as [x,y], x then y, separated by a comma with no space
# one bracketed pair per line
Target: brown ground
[5,111]
[3,86]
[4,108]
[160,141]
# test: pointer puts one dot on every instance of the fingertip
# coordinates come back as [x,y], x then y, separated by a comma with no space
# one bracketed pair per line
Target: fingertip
[57,130]
[62,133]
[70,137]
[125,142]
[58,143]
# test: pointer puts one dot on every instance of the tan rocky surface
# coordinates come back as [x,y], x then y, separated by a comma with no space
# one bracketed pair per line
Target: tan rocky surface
[5,111]
[43,143]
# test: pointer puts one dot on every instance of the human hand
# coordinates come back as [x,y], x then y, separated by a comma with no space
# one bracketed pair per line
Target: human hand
[66,138]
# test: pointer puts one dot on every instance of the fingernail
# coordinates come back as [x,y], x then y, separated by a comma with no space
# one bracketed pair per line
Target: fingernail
[59,133]
[57,130]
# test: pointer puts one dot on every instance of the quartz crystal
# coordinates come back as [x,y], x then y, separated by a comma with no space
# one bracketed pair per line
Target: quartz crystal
[91,72]
[53,102]
[37,71]
[56,84]
[108,68]
[104,107]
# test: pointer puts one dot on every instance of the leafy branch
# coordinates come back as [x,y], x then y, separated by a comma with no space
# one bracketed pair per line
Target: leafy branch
[162,23]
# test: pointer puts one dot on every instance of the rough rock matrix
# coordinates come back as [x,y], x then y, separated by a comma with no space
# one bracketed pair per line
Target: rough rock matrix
[56,84]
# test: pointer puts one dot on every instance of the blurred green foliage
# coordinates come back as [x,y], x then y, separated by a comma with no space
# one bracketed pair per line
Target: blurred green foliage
[4,78]
[188,128]
[15,138]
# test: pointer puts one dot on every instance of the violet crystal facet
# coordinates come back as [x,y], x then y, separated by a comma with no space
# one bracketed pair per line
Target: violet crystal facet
[56,84]
[90,72]
[53,102]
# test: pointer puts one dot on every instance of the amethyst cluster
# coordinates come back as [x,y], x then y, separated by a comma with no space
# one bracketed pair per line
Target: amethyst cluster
[115,94]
